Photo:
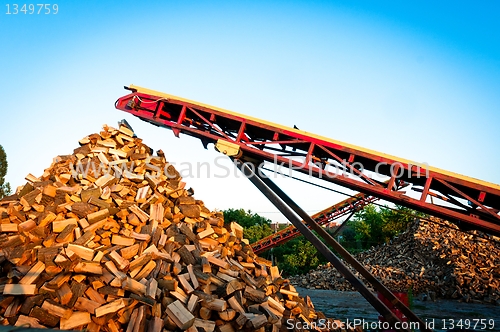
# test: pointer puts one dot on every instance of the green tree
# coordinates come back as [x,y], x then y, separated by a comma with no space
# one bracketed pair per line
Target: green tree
[4,186]
[397,220]
[374,226]
[348,235]
[368,225]
[257,232]
[302,259]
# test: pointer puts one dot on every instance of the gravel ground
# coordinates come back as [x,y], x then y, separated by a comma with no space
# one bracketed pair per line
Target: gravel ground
[443,313]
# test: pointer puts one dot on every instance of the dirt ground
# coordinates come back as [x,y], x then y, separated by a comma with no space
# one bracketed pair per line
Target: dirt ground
[443,313]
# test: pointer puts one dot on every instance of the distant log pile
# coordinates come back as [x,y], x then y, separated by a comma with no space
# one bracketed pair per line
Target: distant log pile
[430,257]
[131,249]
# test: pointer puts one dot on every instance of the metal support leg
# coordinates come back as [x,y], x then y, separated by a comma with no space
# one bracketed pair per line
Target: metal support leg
[344,253]
[344,223]
[320,246]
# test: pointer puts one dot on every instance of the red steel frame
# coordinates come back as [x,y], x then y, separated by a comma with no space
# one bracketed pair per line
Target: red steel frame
[468,202]
[350,205]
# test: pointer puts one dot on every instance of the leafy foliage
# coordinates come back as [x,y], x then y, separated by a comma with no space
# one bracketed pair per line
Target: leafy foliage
[4,186]
[257,232]
[303,258]
[374,226]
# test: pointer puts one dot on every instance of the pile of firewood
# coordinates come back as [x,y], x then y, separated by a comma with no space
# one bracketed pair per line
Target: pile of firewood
[432,258]
[109,239]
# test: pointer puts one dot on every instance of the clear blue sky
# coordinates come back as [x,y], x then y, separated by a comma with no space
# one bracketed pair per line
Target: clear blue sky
[416,79]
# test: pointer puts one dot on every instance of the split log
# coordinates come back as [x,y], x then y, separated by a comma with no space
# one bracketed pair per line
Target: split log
[180,315]
[19,289]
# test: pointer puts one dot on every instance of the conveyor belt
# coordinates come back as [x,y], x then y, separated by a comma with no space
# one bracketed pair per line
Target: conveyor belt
[469,202]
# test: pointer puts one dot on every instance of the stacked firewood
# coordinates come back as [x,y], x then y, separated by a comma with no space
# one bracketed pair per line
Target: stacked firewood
[109,239]
[432,258]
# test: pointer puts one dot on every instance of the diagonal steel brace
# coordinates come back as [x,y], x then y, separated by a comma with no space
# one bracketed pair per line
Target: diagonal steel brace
[284,208]
[341,250]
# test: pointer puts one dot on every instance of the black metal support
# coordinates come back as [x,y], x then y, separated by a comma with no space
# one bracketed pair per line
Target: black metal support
[344,223]
[320,246]
[341,250]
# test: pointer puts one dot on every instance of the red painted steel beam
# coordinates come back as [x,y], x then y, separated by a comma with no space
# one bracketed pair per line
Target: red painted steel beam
[469,202]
